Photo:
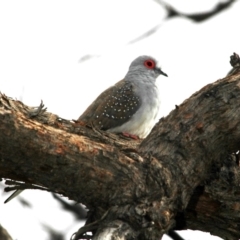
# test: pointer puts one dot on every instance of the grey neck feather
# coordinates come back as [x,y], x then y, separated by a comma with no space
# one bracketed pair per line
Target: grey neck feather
[140,75]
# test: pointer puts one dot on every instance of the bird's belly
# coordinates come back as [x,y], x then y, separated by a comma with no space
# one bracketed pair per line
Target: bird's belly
[142,121]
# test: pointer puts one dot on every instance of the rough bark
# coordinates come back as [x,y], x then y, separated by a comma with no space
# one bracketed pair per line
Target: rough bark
[4,234]
[183,175]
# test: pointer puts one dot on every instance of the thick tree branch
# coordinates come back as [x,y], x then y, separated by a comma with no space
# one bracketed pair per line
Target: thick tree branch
[137,191]
[61,161]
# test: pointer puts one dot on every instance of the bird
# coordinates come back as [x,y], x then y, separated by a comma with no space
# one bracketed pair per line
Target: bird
[131,105]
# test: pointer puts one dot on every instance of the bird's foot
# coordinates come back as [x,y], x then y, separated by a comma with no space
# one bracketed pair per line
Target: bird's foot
[129,135]
[80,123]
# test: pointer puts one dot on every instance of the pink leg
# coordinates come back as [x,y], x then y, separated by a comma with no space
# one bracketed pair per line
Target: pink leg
[130,135]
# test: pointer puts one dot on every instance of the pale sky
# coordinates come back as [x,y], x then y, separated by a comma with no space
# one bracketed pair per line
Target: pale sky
[42,43]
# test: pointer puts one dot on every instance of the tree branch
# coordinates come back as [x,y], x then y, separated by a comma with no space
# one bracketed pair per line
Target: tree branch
[136,191]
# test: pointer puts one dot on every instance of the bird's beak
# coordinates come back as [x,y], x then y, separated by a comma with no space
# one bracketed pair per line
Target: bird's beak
[160,72]
[163,73]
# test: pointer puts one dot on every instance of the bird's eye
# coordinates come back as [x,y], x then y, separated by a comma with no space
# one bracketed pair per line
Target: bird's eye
[149,64]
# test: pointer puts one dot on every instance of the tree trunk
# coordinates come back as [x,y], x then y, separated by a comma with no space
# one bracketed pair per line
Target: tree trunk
[184,175]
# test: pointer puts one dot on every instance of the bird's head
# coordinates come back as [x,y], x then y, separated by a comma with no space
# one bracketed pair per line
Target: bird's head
[145,66]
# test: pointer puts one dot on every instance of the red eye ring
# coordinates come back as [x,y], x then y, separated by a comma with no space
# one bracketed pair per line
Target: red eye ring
[150,64]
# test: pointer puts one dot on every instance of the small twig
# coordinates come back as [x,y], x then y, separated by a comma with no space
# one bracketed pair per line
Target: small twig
[81,233]
[19,187]
[36,111]
[235,60]
[235,63]
[22,186]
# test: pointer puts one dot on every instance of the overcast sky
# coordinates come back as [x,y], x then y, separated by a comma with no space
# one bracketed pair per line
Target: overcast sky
[43,45]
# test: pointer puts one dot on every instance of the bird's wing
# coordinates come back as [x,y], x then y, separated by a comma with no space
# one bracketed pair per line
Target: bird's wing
[113,107]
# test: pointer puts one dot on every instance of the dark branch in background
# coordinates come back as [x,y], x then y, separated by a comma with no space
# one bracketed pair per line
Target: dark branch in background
[172,12]
[146,34]
[88,57]
[197,17]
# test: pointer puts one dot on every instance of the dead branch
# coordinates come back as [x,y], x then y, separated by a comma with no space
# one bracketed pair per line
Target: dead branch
[177,178]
